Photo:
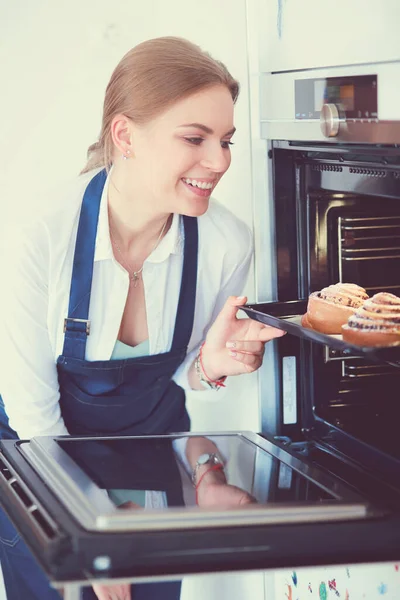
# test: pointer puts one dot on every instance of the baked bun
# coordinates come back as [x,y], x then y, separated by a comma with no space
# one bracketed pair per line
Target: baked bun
[375,323]
[305,322]
[331,308]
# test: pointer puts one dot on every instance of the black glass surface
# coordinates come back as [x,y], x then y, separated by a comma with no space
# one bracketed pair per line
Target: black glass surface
[154,474]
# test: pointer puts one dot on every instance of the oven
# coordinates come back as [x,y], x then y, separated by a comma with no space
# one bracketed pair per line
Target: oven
[334,161]
[338,220]
[333,140]
[324,470]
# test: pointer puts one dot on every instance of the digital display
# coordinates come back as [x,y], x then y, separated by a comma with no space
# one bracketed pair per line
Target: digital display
[355,97]
[346,93]
[319,91]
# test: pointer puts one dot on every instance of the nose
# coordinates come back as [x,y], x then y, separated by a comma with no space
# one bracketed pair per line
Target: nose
[216,158]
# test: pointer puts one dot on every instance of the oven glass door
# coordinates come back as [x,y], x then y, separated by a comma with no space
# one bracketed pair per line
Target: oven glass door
[132,500]
[144,483]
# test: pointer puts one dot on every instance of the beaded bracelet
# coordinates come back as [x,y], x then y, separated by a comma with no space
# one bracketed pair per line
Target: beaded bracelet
[214,384]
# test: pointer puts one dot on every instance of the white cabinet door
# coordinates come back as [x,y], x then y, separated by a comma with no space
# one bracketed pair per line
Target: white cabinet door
[303,34]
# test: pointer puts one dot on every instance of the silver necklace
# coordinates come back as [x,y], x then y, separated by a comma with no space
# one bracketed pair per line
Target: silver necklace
[134,276]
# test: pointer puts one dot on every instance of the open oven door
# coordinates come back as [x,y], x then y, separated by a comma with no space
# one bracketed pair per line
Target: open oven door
[64,495]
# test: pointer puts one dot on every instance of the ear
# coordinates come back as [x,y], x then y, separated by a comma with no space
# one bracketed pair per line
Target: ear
[121,133]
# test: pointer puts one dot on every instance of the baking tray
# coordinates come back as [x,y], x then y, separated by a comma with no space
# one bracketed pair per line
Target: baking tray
[287,316]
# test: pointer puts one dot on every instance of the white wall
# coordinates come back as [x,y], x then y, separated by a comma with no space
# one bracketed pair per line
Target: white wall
[55,60]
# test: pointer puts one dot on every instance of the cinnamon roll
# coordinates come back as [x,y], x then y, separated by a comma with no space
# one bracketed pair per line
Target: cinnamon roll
[331,308]
[375,323]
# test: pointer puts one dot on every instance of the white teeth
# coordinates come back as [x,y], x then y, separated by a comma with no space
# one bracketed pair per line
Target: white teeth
[200,184]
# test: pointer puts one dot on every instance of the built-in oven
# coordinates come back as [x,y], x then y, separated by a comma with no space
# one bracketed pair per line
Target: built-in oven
[338,220]
[320,482]
[334,156]
[334,167]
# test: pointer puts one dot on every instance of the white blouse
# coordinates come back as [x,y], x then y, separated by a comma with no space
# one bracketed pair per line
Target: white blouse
[36,265]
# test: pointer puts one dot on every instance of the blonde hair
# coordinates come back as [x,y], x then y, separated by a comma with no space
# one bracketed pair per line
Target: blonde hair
[150,78]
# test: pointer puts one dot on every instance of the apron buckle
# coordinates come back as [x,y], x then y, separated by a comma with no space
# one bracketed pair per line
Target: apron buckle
[87,330]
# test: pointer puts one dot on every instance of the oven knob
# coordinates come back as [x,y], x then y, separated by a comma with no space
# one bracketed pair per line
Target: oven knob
[330,120]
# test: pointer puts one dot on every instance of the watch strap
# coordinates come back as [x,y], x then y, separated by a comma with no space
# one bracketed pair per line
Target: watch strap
[205,459]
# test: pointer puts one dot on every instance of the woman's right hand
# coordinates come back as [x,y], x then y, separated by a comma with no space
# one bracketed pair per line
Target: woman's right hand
[214,491]
[217,495]
[120,591]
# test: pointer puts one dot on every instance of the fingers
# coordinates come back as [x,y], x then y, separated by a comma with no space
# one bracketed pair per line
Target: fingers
[250,362]
[245,346]
[129,505]
[232,305]
[268,333]
[256,346]
[250,353]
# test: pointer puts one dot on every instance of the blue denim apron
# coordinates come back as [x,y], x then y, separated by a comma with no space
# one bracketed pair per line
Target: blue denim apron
[134,396]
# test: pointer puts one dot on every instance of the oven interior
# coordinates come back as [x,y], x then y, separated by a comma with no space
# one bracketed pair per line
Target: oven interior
[337,216]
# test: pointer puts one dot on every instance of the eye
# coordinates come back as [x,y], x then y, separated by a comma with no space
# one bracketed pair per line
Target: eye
[226,144]
[196,141]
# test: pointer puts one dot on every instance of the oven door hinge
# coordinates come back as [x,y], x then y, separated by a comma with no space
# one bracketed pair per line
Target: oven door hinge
[298,447]
[284,440]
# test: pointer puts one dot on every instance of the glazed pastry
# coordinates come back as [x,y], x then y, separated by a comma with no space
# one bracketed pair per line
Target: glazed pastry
[375,323]
[331,308]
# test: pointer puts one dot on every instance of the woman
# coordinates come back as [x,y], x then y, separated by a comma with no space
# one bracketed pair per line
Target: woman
[136,262]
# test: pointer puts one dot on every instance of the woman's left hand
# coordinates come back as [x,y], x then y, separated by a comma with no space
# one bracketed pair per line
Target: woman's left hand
[234,346]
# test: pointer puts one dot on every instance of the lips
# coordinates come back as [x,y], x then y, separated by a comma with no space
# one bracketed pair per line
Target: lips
[203,184]
[197,191]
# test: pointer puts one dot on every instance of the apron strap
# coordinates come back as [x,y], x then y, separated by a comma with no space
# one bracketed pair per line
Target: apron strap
[76,325]
[187,297]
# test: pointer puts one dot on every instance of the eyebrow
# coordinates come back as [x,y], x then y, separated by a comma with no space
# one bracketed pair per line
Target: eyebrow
[207,129]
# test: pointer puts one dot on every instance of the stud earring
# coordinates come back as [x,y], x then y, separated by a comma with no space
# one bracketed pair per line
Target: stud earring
[126,155]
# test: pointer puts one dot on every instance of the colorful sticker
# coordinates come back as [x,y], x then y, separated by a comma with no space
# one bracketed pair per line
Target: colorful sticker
[382,589]
[332,587]
[323,593]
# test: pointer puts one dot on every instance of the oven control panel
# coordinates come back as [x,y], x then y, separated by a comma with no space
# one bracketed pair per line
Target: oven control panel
[333,99]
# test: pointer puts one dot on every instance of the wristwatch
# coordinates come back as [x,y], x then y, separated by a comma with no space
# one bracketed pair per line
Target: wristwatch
[205,459]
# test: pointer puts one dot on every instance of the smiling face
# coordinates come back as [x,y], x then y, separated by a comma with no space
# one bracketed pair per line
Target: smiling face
[179,156]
